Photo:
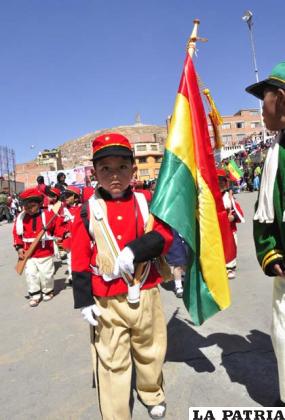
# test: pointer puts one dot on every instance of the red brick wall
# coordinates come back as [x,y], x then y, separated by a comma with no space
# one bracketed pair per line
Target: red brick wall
[28,173]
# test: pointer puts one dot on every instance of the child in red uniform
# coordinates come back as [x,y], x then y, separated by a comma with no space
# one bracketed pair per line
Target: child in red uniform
[235,215]
[39,269]
[53,195]
[124,331]
[72,203]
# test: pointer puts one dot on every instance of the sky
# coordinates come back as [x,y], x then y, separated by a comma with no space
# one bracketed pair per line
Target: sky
[70,67]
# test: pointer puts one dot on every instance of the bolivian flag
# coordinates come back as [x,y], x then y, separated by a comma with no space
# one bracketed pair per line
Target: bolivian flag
[234,170]
[187,197]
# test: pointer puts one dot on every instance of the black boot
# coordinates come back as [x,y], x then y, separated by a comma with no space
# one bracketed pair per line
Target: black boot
[278,403]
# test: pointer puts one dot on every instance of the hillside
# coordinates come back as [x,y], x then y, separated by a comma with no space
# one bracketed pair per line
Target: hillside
[78,151]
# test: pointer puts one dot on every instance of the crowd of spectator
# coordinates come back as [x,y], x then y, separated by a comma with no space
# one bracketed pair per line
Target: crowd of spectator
[250,161]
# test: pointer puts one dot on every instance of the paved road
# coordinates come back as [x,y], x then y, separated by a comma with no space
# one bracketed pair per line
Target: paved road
[45,365]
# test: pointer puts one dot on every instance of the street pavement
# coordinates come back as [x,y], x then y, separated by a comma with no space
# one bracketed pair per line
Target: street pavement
[45,363]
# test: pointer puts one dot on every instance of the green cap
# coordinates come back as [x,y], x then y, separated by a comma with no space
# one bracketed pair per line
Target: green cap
[275,79]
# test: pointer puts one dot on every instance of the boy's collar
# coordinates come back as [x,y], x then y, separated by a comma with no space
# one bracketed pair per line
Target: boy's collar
[107,196]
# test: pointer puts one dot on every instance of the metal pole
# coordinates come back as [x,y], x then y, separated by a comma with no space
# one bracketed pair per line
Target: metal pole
[248,18]
[14,169]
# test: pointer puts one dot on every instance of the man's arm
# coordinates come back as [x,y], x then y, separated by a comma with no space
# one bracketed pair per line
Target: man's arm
[269,250]
[152,244]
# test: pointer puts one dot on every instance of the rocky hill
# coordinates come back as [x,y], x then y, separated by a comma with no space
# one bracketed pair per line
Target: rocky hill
[79,151]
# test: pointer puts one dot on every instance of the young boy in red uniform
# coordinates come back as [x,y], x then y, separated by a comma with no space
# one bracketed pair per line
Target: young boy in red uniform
[72,202]
[39,269]
[53,195]
[235,215]
[124,331]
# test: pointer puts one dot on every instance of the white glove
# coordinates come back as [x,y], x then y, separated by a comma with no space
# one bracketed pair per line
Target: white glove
[125,262]
[89,312]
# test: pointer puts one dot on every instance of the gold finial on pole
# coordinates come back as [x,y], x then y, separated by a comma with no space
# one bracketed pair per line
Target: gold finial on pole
[191,44]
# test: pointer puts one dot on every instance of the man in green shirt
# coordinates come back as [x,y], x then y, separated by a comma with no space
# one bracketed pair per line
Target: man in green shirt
[269,218]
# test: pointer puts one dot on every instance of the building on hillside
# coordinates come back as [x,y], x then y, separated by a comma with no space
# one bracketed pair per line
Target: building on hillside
[236,128]
[148,157]
[147,142]
[52,158]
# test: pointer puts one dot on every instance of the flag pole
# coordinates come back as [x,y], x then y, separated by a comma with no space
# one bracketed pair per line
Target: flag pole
[191,48]
[191,44]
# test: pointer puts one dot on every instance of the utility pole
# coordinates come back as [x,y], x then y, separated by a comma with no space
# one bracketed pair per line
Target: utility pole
[248,18]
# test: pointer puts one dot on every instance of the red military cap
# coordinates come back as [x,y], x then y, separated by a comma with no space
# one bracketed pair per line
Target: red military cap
[221,173]
[54,191]
[31,194]
[72,189]
[111,144]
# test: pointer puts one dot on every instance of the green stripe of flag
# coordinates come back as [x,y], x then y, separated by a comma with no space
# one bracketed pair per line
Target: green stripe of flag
[169,202]
[169,205]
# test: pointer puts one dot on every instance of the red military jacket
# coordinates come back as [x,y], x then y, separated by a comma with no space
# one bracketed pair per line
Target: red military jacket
[234,208]
[127,224]
[68,215]
[26,228]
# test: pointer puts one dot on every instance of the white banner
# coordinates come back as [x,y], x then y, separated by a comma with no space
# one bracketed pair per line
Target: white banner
[75,176]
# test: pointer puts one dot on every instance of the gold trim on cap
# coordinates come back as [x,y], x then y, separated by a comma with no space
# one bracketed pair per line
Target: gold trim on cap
[277,78]
[104,146]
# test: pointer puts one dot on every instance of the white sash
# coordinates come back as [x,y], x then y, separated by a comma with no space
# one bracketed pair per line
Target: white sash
[265,209]
[19,223]
[143,206]
[99,214]
[67,215]
[20,229]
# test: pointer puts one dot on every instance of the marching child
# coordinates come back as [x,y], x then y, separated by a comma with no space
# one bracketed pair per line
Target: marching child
[39,269]
[72,202]
[108,241]
[53,195]
[235,215]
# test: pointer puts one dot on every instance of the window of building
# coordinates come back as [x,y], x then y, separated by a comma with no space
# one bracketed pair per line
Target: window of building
[254,112]
[144,172]
[227,138]
[158,159]
[240,124]
[240,137]
[226,126]
[153,147]
[142,160]
[141,147]
[255,124]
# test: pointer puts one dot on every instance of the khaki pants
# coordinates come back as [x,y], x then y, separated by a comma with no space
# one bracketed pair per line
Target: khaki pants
[127,332]
[278,330]
[39,276]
